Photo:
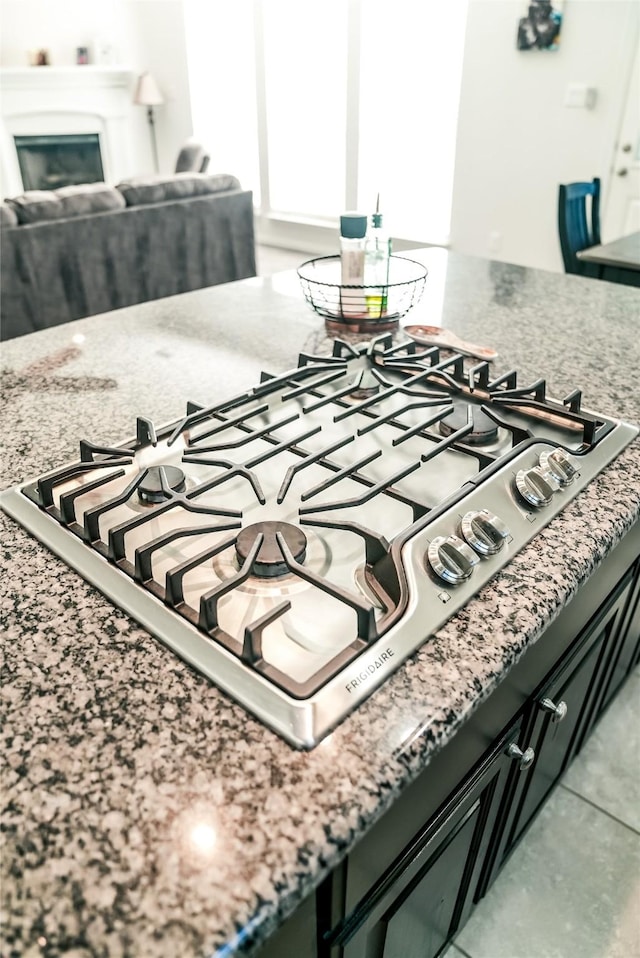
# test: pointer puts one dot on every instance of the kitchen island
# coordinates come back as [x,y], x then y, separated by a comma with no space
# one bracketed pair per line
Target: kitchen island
[147,813]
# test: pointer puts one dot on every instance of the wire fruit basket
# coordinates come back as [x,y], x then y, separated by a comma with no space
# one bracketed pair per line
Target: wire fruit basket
[361,309]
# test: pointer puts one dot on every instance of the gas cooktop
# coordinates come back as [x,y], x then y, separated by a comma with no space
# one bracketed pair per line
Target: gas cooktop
[297,542]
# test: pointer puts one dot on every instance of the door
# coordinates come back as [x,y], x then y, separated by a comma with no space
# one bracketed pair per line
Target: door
[622,209]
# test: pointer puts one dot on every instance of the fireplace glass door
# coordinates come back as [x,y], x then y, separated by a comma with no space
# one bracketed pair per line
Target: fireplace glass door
[49,162]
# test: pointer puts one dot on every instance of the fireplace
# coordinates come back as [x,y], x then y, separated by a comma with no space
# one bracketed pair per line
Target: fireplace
[48,162]
[66,125]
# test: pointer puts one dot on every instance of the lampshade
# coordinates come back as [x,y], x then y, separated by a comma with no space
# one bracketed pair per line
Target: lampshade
[147,92]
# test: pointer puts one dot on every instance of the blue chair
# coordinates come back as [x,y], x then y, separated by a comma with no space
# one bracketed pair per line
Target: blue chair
[579,224]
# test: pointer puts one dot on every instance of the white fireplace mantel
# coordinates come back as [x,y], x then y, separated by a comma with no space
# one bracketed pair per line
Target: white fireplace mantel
[60,100]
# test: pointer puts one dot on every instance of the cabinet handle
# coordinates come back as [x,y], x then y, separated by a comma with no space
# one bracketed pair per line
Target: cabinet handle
[558,711]
[525,759]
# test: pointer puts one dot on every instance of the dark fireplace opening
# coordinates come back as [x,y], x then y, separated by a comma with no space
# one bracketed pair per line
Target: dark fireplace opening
[48,162]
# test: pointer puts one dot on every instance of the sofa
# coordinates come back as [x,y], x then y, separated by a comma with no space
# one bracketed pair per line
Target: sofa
[92,248]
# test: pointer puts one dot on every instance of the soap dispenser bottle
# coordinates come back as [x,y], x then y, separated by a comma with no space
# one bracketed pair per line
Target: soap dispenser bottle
[376,265]
[353,230]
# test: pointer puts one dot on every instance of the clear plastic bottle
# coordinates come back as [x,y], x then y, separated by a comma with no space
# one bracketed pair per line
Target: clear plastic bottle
[353,229]
[376,265]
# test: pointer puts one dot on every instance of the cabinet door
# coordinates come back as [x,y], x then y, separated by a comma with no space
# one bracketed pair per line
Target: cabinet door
[418,922]
[628,646]
[565,709]
[426,894]
[297,937]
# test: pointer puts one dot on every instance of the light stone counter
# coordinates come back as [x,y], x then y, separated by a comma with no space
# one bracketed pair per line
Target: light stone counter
[144,812]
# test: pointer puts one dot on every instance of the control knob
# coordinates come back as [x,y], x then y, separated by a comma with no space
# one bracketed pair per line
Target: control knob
[536,486]
[560,464]
[451,559]
[484,531]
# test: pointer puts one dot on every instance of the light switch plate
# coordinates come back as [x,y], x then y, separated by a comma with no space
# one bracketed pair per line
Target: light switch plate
[580,95]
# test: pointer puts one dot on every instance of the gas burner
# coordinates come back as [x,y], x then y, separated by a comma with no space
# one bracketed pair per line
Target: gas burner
[151,490]
[269,561]
[484,431]
[366,387]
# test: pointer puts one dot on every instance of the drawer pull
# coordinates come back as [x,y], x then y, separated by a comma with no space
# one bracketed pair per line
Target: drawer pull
[525,759]
[558,711]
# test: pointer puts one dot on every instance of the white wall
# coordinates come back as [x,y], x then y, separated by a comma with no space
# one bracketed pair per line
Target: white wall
[516,140]
[60,27]
[159,38]
[144,35]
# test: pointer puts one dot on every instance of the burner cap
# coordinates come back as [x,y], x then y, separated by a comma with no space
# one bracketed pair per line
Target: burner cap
[484,430]
[368,386]
[364,392]
[269,561]
[150,489]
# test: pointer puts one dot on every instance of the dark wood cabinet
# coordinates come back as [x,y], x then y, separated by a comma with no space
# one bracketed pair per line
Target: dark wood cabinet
[627,652]
[560,716]
[421,918]
[413,880]
[427,892]
[416,903]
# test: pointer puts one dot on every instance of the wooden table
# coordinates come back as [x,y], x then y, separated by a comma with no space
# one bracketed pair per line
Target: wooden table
[618,262]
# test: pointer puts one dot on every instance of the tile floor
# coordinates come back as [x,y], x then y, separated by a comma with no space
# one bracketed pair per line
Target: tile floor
[572,887]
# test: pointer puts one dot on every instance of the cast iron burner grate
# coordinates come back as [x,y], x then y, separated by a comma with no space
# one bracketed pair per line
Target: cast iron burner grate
[153,487]
[484,429]
[269,560]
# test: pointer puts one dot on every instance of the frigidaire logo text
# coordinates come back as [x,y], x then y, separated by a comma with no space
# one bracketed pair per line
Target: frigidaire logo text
[369,671]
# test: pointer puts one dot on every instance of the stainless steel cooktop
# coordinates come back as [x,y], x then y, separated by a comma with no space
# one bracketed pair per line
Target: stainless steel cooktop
[297,542]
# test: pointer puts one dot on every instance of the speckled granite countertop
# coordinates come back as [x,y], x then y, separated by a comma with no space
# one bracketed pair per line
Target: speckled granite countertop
[144,812]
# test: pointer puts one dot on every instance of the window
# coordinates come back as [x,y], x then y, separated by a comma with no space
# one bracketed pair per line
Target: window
[222,84]
[305,57]
[318,108]
[410,71]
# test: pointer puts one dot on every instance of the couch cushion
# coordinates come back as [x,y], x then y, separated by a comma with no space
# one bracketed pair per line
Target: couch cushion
[158,189]
[8,216]
[37,205]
